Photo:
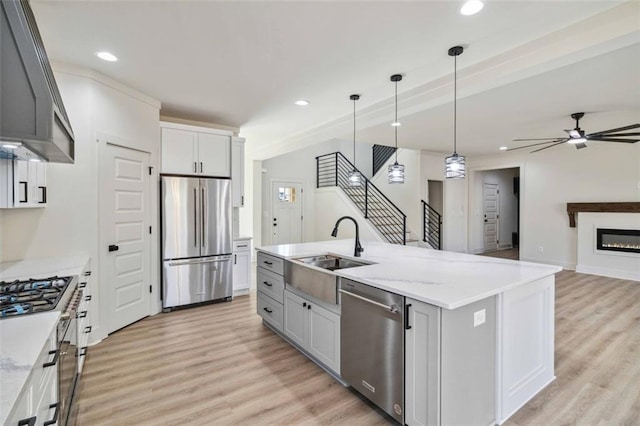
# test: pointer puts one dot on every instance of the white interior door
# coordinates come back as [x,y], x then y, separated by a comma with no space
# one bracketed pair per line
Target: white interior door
[286,213]
[490,202]
[125,254]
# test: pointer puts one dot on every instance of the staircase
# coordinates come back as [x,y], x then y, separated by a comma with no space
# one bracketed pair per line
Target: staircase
[381,153]
[432,226]
[333,169]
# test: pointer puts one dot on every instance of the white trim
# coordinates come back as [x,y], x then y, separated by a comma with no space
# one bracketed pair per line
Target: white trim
[199,124]
[191,128]
[607,272]
[64,68]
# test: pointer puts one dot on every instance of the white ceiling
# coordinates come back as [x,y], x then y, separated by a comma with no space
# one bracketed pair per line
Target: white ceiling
[243,64]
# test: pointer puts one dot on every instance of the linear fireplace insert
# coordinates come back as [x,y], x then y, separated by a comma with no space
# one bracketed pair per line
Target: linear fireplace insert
[626,240]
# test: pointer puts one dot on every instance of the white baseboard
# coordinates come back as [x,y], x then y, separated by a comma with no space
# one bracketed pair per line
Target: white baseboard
[505,246]
[563,265]
[608,272]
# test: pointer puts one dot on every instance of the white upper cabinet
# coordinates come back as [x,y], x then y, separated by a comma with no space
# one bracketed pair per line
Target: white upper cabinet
[179,151]
[23,183]
[214,155]
[189,150]
[237,171]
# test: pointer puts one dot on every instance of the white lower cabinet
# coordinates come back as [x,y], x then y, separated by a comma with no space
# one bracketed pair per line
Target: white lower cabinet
[241,266]
[313,328]
[422,355]
[450,364]
[37,403]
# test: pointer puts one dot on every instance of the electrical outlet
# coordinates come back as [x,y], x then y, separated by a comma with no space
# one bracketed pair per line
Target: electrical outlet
[540,249]
[479,317]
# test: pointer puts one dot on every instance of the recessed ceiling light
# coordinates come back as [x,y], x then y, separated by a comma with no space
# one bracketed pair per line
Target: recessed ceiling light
[471,7]
[107,56]
[503,148]
[302,102]
[35,160]
[396,124]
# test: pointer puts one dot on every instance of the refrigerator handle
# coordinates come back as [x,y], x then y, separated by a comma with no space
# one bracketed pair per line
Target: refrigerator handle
[205,230]
[195,217]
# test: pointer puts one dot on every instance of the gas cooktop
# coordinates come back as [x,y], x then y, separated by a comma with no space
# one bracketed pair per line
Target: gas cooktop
[31,296]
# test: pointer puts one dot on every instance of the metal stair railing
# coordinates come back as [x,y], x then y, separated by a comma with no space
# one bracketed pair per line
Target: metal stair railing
[333,169]
[381,153]
[432,226]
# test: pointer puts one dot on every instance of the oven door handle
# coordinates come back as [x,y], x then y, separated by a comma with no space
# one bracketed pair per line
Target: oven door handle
[55,415]
[54,361]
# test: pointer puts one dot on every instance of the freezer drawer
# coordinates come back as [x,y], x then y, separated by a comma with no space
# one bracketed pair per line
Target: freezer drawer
[196,280]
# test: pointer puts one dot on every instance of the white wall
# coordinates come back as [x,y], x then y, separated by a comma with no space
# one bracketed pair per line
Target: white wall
[552,178]
[334,204]
[406,196]
[297,166]
[507,222]
[99,108]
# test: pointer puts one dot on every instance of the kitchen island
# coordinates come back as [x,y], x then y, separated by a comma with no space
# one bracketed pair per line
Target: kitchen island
[487,315]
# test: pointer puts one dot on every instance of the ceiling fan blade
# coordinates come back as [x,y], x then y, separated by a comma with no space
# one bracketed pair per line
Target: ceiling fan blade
[540,139]
[580,145]
[619,129]
[616,135]
[536,144]
[546,147]
[607,139]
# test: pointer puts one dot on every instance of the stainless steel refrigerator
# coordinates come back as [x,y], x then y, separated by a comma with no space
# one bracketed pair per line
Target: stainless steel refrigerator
[196,240]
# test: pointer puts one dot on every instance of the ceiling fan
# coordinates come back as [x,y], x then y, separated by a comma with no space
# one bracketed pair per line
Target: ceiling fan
[578,137]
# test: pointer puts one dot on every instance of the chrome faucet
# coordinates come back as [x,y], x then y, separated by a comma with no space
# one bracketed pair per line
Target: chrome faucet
[334,233]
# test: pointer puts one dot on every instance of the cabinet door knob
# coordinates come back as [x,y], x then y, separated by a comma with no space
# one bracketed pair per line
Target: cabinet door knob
[113,247]
[304,304]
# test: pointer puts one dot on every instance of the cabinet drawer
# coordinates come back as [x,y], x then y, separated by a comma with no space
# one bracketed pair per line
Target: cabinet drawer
[272,263]
[270,284]
[241,245]
[270,311]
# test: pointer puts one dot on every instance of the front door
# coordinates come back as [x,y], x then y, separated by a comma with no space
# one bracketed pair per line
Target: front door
[286,212]
[126,246]
[490,201]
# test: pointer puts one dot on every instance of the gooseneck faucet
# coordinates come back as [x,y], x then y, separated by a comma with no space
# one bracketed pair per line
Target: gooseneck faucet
[334,233]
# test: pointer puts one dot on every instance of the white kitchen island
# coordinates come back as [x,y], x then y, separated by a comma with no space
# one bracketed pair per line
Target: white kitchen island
[456,283]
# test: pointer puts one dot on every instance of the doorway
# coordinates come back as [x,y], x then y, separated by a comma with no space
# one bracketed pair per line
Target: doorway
[125,245]
[490,203]
[286,212]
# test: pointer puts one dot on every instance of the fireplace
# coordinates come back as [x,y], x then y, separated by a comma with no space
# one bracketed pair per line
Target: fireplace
[625,240]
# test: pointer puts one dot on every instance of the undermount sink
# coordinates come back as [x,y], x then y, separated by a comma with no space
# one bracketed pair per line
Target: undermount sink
[331,263]
[320,284]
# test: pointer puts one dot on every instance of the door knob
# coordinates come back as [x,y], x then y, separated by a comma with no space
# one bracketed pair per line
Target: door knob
[113,247]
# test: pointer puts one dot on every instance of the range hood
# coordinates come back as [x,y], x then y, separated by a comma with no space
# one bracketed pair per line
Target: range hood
[32,115]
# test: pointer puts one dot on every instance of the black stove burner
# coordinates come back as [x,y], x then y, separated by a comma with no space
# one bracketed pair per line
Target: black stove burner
[30,296]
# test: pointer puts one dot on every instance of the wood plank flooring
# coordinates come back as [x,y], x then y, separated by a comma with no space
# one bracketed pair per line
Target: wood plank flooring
[218,365]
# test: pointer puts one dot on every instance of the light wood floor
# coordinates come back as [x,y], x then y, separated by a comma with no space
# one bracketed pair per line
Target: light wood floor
[512,253]
[217,364]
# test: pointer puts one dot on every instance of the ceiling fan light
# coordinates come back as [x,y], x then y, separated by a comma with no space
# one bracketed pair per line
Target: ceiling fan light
[455,167]
[471,7]
[396,173]
[577,140]
[355,178]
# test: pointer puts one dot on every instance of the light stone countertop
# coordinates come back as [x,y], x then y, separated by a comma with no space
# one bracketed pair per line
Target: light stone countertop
[21,341]
[43,267]
[442,278]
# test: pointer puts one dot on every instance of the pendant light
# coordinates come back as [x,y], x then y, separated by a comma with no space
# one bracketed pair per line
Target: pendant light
[455,165]
[396,171]
[354,177]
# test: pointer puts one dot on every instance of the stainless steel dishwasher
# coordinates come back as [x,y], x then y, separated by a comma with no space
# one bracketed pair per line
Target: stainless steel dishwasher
[372,345]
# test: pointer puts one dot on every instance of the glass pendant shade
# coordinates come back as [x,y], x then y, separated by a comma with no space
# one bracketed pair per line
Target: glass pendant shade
[355,178]
[455,167]
[396,173]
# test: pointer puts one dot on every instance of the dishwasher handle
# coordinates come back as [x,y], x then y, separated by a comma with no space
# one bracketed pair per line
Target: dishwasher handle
[391,308]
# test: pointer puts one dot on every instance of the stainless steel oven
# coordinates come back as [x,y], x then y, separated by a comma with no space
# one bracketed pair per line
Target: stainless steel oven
[68,367]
